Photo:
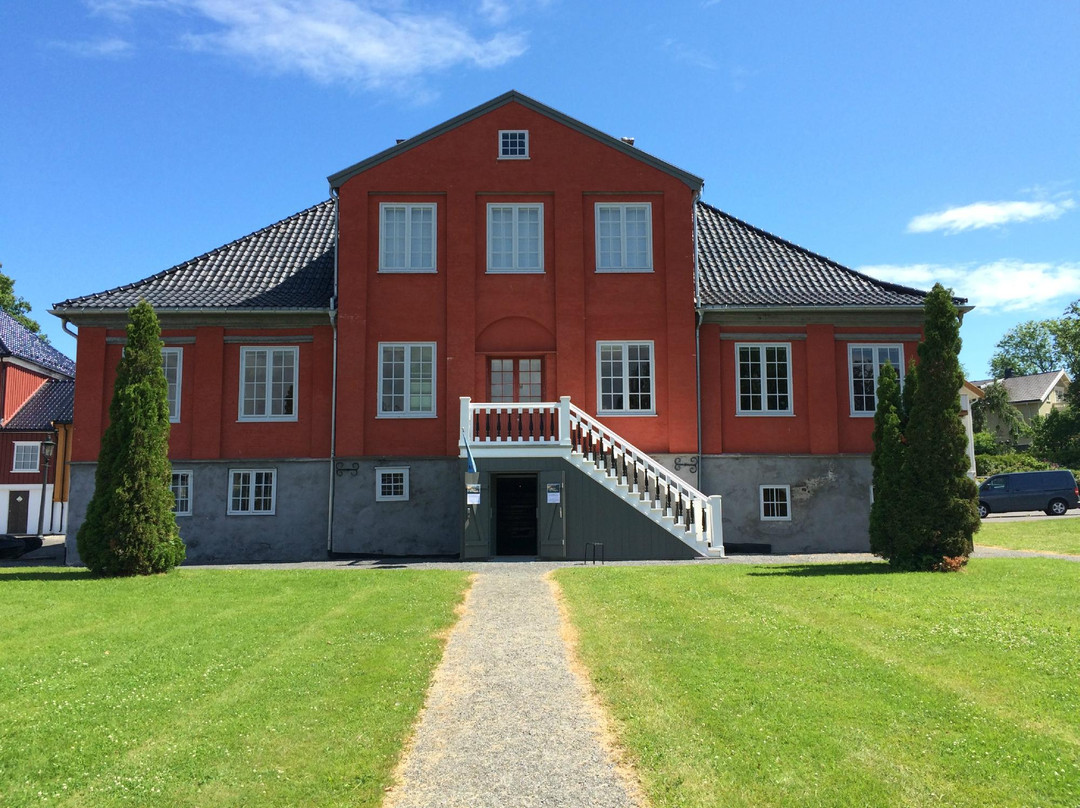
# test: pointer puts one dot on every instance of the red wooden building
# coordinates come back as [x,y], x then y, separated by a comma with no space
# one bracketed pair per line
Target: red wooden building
[36,395]
[625,363]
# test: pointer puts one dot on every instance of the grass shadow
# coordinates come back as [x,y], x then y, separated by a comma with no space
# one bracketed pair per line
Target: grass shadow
[31,574]
[816,570]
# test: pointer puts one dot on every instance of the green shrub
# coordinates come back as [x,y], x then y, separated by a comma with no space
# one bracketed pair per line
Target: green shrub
[986,443]
[985,465]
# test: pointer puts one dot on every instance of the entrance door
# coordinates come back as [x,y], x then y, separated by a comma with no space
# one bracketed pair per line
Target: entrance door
[18,508]
[516,379]
[516,529]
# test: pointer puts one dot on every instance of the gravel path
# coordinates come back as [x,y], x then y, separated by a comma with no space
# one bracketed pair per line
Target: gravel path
[507,723]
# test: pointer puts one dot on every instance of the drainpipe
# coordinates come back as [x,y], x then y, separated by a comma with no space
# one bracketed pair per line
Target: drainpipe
[699,317]
[333,388]
[64,325]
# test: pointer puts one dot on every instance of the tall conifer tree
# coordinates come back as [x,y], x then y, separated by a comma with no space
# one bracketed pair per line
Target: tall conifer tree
[887,529]
[130,528]
[939,498]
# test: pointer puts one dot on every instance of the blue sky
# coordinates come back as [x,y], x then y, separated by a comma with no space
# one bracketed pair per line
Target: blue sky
[915,141]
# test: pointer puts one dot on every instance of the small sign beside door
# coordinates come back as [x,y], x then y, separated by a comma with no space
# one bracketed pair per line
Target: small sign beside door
[472,493]
[554,493]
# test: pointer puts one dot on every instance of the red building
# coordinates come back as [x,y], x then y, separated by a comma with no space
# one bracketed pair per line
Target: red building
[619,357]
[36,394]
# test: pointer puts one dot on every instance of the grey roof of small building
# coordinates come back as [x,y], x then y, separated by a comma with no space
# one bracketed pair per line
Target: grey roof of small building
[17,341]
[288,265]
[1035,387]
[54,401]
[742,266]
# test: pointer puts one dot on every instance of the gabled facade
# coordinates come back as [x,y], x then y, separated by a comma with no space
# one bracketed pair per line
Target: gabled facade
[36,391]
[517,291]
[1037,394]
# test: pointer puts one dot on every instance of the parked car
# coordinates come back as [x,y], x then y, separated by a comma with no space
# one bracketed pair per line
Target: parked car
[1051,491]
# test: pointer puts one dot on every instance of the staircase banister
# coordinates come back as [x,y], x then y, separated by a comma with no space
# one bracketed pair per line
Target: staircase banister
[659,471]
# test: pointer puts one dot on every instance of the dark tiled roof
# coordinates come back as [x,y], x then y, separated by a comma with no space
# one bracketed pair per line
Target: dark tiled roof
[1035,387]
[53,401]
[288,265]
[744,267]
[18,341]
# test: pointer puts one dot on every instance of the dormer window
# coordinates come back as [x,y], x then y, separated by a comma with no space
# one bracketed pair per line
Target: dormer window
[513,144]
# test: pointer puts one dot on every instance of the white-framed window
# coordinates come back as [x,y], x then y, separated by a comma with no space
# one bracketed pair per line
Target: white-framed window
[407,379]
[172,362]
[864,369]
[181,489]
[513,144]
[407,237]
[268,383]
[252,491]
[775,503]
[624,376]
[763,378]
[624,237]
[515,240]
[391,484]
[27,456]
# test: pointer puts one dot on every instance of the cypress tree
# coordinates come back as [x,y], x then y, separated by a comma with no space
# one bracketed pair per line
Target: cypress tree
[130,528]
[887,512]
[940,500]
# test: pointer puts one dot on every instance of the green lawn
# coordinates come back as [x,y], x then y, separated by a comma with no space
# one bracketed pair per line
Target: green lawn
[1054,534]
[840,685]
[215,688]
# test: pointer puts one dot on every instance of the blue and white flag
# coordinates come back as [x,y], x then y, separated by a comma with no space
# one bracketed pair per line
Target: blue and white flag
[468,453]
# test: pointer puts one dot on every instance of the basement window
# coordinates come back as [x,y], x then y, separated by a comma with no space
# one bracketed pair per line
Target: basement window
[775,503]
[513,144]
[391,485]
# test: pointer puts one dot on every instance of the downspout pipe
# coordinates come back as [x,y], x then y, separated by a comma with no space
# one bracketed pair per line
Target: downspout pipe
[333,388]
[699,317]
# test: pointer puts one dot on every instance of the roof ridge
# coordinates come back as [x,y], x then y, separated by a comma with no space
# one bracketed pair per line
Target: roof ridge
[894,287]
[204,256]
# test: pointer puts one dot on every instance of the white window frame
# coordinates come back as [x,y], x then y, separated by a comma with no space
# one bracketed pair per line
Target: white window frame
[623,207]
[20,444]
[517,208]
[408,412]
[268,383]
[763,394]
[174,386]
[625,345]
[786,503]
[875,347]
[250,509]
[380,473]
[409,207]
[503,144]
[190,490]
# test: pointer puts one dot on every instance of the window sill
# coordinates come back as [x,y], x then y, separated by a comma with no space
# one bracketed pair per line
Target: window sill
[624,271]
[405,415]
[250,513]
[292,419]
[512,157]
[384,271]
[516,272]
[766,414]
[626,414]
[26,471]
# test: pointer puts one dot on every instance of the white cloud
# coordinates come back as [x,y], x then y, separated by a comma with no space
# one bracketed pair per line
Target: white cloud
[1000,286]
[333,40]
[107,47]
[987,214]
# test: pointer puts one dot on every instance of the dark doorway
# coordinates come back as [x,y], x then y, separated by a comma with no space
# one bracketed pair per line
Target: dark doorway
[18,508]
[515,515]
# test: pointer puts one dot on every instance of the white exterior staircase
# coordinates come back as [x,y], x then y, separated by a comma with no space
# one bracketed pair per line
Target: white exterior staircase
[559,429]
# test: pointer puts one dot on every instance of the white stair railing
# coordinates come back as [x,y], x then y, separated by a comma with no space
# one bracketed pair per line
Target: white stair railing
[670,501]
